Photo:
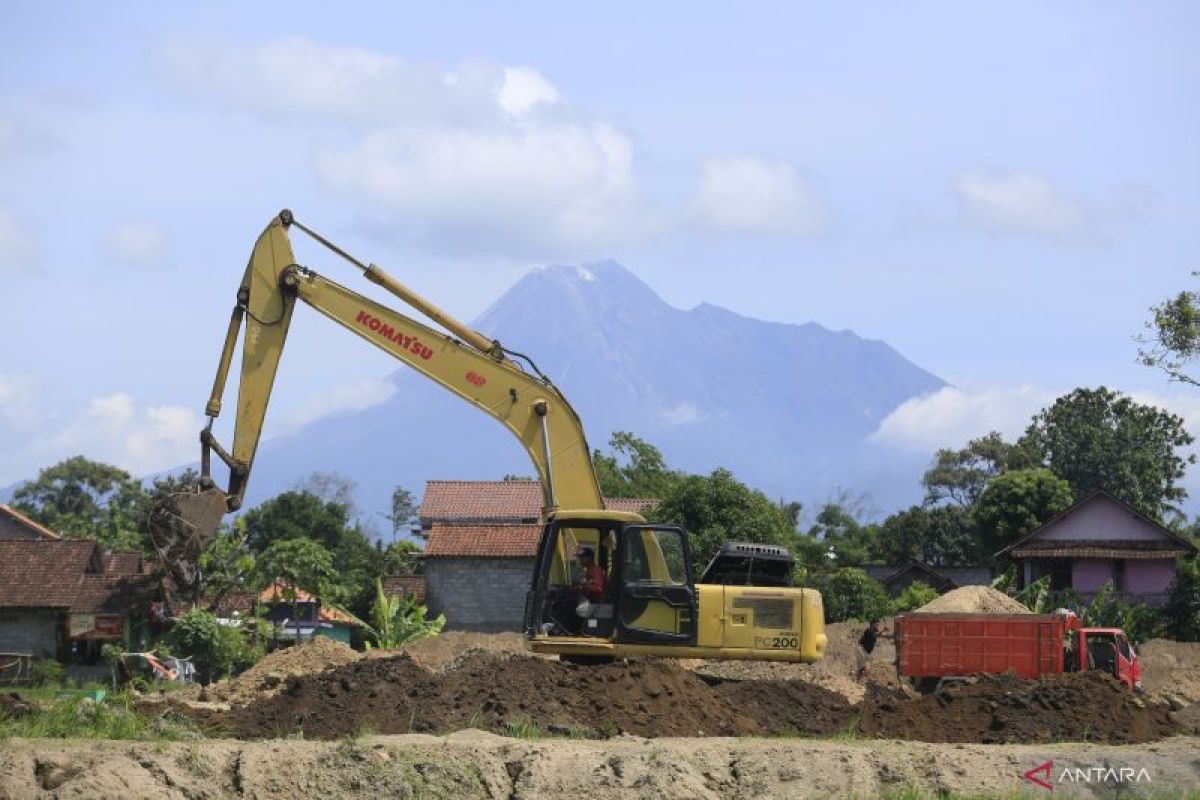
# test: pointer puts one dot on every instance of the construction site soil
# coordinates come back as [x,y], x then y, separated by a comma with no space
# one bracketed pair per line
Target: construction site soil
[503,692]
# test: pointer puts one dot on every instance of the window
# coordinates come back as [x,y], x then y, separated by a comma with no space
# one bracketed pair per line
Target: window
[654,555]
[1118,576]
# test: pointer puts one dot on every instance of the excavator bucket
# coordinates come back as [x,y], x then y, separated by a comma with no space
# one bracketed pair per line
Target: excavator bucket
[181,526]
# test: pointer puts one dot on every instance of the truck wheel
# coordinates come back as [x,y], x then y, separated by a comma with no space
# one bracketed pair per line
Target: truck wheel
[925,685]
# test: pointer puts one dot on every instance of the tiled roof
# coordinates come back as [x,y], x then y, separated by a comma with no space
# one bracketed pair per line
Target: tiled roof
[405,585]
[483,541]
[41,531]
[42,573]
[70,574]
[1136,549]
[497,501]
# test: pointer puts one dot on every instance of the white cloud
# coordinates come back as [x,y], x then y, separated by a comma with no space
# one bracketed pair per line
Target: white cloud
[523,88]
[477,157]
[685,413]
[537,188]
[18,407]
[343,399]
[138,244]
[950,417]
[114,429]
[17,251]
[1019,202]
[750,194]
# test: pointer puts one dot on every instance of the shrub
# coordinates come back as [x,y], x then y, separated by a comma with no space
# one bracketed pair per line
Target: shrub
[1181,615]
[47,672]
[915,595]
[215,649]
[849,593]
[400,620]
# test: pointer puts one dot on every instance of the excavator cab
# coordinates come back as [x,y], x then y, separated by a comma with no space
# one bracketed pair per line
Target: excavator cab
[648,598]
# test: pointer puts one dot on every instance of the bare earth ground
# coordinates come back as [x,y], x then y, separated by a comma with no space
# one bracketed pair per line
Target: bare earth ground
[476,764]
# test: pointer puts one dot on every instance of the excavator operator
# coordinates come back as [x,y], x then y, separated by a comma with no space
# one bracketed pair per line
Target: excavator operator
[591,578]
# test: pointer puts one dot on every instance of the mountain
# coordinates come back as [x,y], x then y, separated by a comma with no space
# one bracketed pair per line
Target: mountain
[786,407]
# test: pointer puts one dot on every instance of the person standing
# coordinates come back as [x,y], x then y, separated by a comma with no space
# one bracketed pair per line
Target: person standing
[866,646]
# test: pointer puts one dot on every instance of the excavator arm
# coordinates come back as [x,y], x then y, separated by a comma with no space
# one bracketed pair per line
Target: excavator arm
[470,365]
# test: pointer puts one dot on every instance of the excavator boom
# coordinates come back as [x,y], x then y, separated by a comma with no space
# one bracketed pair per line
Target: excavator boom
[472,366]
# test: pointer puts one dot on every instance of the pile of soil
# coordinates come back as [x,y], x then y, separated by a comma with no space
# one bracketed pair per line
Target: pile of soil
[995,709]
[1171,669]
[836,671]
[438,653]
[268,675]
[973,600]
[499,691]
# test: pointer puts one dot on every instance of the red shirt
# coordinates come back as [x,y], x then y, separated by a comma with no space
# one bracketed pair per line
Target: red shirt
[593,583]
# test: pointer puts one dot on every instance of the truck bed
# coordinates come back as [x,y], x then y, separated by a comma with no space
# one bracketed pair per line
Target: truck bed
[959,645]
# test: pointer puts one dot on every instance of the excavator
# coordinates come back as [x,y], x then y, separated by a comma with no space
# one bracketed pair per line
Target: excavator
[742,607]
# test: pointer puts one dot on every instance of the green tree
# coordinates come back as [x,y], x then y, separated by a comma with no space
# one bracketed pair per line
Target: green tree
[86,499]
[846,538]
[227,564]
[301,563]
[216,650]
[719,508]
[1173,339]
[915,595]
[849,593]
[1182,611]
[938,535]
[958,477]
[293,515]
[1015,503]
[1098,439]
[634,468]
[404,512]
[398,620]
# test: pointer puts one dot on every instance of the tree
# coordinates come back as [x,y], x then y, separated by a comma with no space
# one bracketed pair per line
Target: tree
[301,563]
[404,510]
[958,477]
[849,593]
[215,649]
[915,595]
[846,539]
[1015,503]
[296,514]
[226,565]
[398,620]
[1098,439]
[1174,336]
[1182,611]
[635,468]
[939,535]
[401,558]
[717,508]
[87,499]
[330,487]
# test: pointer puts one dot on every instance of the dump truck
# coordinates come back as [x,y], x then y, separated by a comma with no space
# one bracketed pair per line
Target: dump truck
[933,648]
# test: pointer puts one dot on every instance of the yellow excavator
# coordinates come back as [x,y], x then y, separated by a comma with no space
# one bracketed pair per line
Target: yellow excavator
[651,604]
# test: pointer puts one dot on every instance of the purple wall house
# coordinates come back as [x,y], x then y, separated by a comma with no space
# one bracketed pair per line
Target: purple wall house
[1097,540]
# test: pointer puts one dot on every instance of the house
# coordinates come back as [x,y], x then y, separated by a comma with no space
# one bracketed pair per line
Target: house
[65,598]
[16,527]
[1097,540]
[481,538]
[303,615]
[896,578]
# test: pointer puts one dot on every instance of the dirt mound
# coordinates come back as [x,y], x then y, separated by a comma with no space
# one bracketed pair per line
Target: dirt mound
[836,671]
[499,692]
[268,675]
[1089,706]
[1171,669]
[438,653]
[973,600]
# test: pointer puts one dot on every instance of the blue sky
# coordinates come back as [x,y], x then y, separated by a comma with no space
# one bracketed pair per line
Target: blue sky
[999,190]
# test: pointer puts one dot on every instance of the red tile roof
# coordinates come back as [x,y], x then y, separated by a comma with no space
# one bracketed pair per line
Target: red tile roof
[496,502]
[37,530]
[483,541]
[405,585]
[278,592]
[42,573]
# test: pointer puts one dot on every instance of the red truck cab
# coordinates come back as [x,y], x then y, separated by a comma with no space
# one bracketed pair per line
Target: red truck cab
[935,647]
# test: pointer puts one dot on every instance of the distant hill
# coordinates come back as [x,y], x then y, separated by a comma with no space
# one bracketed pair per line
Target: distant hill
[786,407]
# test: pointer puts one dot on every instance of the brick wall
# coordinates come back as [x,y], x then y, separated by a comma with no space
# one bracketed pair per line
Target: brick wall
[29,632]
[478,594]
